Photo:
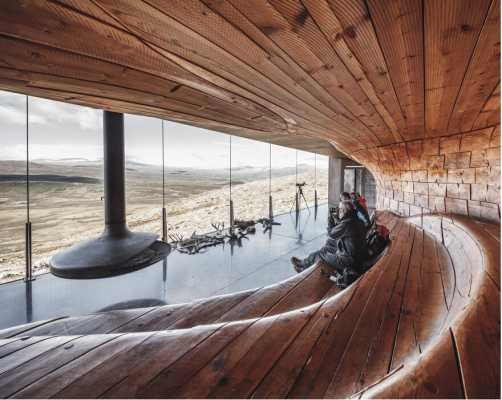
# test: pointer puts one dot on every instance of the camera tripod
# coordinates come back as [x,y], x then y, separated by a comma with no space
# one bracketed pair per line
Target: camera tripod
[298,198]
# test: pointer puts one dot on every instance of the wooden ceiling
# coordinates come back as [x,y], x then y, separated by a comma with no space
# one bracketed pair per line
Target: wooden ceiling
[310,74]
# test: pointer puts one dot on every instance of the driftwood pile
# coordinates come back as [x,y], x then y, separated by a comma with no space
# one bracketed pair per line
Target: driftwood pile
[239,230]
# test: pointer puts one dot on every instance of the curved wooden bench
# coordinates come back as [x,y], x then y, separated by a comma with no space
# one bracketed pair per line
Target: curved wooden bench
[423,322]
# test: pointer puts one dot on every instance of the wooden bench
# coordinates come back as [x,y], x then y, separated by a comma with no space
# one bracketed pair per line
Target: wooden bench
[423,322]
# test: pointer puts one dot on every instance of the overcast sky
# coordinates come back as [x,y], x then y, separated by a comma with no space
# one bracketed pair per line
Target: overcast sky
[59,130]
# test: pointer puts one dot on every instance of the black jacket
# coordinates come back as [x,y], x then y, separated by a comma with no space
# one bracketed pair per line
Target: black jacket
[346,244]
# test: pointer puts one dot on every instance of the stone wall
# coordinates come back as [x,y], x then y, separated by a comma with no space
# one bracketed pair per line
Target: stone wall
[458,173]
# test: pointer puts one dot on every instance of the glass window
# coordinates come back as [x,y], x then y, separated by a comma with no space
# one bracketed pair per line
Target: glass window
[250,178]
[12,185]
[66,177]
[307,175]
[283,179]
[322,173]
[197,179]
[143,152]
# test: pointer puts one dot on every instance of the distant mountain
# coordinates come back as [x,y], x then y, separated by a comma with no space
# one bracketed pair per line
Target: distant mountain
[49,178]
[69,160]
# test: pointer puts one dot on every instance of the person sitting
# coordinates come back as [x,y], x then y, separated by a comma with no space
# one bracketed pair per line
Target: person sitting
[345,249]
[333,218]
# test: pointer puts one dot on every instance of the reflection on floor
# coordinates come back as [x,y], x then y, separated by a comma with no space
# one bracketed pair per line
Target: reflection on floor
[262,260]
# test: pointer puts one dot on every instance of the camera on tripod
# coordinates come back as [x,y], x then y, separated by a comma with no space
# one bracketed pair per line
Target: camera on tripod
[299,197]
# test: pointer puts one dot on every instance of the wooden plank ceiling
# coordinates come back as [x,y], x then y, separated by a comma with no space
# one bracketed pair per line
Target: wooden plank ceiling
[310,74]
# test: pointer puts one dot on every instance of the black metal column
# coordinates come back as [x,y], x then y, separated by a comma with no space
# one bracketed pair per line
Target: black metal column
[114,173]
[115,250]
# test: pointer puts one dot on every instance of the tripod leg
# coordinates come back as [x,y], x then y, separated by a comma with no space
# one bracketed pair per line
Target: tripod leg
[304,199]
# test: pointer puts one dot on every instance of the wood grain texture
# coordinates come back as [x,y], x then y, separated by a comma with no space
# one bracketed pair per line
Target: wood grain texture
[378,81]
[308,74]
[410,89]
[417,324]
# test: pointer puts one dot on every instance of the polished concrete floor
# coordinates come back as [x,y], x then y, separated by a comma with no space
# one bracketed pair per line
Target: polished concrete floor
[261,260]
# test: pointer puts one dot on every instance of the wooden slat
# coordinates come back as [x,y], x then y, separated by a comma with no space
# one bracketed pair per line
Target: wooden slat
[358,47]
[19,344]
[399,28]
[490,113]
[309,291]
[168,350]
[199,312]
[91,324]
[44,364]
[406,346]
[317,374]
[155,350]
[440,379]
[451,32]
[380,353]
[53,13]
[204,313]
[342,85]
[50,385]
[357,351]
[432,309]
[482,76]
[478,345]
[278,56]
[282,376]
[65,326]
[262,301]
[166,33]
[93,73]
[214,373]
[21,356]
[312,74]
[242,379]
[423,322]
[172,379]
[447,275]
[291,40]
[19,330]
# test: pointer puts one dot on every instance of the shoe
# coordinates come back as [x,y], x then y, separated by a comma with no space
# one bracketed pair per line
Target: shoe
[297,264]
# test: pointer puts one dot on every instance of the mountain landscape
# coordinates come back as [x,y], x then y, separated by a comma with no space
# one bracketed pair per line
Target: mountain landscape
[66,202]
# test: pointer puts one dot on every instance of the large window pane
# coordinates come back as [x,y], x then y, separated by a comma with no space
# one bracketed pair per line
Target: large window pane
[250,178]
[283,178]
[197,178]
[12,185]
[143,150]
[66,177]
[322,171]
[307,175]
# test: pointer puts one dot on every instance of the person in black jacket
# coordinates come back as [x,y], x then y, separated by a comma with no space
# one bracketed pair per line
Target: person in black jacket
[345,248]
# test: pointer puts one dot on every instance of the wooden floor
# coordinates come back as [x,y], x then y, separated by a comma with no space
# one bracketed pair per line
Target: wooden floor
[423,322]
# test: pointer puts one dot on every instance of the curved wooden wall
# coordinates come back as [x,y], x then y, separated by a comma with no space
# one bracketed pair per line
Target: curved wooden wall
[410,88]
[423,322]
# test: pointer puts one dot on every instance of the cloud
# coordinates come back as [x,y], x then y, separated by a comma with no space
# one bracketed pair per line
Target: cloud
[17,116]
[45,112]
[63,113]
